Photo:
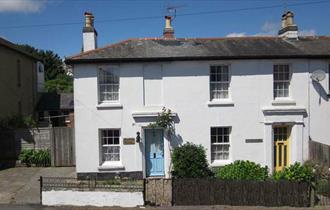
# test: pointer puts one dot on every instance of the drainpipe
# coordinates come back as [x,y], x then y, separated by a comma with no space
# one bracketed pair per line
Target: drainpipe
[309,105]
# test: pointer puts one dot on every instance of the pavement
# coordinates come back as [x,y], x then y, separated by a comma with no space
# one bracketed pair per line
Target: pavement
[38,207]
[21,186]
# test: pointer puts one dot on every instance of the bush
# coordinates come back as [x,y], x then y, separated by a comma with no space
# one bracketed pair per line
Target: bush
[296,172]
[36,157]
[243,170]
[189,161]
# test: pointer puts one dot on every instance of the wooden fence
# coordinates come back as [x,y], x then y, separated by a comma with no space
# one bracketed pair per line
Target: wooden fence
[59,140]
[62,146]
[240,193]
[319,152]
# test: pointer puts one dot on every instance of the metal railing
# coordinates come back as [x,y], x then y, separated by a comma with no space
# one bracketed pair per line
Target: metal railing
[65,183]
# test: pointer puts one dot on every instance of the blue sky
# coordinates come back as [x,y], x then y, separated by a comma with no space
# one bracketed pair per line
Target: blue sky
[19,17]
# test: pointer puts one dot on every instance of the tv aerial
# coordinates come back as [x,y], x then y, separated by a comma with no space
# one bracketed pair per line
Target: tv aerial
[318,75]
[171,10]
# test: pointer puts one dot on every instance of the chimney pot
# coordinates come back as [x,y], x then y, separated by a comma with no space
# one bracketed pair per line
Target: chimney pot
[288,28]
[168,32]
[89,33]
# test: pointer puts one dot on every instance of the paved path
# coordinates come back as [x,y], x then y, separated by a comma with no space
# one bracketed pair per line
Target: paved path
[38,207]
[21,186]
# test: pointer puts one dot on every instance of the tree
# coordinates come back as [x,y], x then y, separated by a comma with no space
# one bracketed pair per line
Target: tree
[52,62]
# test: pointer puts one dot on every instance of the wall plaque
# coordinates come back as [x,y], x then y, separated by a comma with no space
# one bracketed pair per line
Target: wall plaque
[129,141]
[253,140]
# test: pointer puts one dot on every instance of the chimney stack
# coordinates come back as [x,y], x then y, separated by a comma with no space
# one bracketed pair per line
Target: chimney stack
[89,33]
[168,32]
[288,28]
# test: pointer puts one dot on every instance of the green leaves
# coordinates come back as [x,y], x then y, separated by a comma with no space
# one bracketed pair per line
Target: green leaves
[36,157]
[164,120]
[189,161]
[296,172]
[243,170]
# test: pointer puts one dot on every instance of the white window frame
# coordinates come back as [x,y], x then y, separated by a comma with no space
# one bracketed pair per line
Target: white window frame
[115,71]
[219,82]
[221,143]
[282,81]
[102,159]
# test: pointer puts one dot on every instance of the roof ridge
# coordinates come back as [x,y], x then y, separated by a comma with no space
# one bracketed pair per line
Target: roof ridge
[97,49]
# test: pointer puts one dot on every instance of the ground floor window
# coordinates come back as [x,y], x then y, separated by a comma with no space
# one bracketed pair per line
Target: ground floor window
[110,144]
[220,143]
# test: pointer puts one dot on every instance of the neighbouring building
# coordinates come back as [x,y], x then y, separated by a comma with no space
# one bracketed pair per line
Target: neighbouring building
[21,78]
[249,98]
[56,110]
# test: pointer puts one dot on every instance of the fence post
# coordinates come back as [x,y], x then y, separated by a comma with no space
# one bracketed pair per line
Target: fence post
[41,185]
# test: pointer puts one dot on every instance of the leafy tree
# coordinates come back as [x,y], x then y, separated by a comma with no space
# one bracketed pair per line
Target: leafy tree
[62,84]
[56,79]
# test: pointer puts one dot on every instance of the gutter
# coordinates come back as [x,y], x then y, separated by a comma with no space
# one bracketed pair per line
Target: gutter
[189,58]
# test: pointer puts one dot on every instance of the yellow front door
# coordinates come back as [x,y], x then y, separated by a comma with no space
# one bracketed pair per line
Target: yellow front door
[281,147]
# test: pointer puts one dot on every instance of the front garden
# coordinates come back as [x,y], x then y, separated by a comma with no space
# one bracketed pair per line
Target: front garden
[239,183]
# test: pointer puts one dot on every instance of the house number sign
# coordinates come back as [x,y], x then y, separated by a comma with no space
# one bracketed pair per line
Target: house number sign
[128,141]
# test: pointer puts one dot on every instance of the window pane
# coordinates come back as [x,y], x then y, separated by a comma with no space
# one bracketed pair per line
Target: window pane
[108,86]
[281,76]
[220,138]
[109,138]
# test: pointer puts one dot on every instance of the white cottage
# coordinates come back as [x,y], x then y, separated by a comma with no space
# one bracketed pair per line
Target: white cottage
[247,98]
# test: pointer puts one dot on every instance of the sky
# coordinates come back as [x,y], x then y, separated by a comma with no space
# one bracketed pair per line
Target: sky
[57,24]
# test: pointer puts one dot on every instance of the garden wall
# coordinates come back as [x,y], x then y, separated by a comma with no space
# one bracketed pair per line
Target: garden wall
[58,191]
[240,193]
[92,198]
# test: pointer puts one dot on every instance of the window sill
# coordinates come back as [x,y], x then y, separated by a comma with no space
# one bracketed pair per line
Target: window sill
[108,166]
[283,101]
[109,105]
[218,163]
[224,102]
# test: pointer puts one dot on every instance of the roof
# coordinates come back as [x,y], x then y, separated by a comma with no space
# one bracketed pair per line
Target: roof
[14,47]
[55,102]
[159,49]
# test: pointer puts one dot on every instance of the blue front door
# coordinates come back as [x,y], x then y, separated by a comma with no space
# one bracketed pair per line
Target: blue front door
[154,152]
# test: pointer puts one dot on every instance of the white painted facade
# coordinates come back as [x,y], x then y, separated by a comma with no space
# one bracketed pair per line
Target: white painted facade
[183,87]
[92,198]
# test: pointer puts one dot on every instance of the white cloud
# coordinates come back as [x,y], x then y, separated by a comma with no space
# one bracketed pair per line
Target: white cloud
[310,32]
[269,29]
[234,34]
[25,6]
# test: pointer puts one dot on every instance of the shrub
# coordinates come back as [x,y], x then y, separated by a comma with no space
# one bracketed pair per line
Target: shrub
[296,172]
[243,170]
[189,161]
[36,157]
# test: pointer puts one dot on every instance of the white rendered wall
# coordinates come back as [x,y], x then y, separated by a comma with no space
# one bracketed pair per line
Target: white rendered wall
[89,41]
[185,90]
[92,198]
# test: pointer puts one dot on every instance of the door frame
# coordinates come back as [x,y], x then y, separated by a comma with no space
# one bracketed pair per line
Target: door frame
[145,156]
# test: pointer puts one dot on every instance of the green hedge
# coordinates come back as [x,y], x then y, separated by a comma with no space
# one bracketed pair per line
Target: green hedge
[243,170]
[189,161]
[35,157]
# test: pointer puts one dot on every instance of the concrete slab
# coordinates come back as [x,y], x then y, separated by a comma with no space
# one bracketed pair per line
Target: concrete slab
[21,186]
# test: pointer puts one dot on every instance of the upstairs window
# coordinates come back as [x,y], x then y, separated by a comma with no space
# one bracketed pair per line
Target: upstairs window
[281,78]
[108,85]
[220,143]
[110,144]
[219,82]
